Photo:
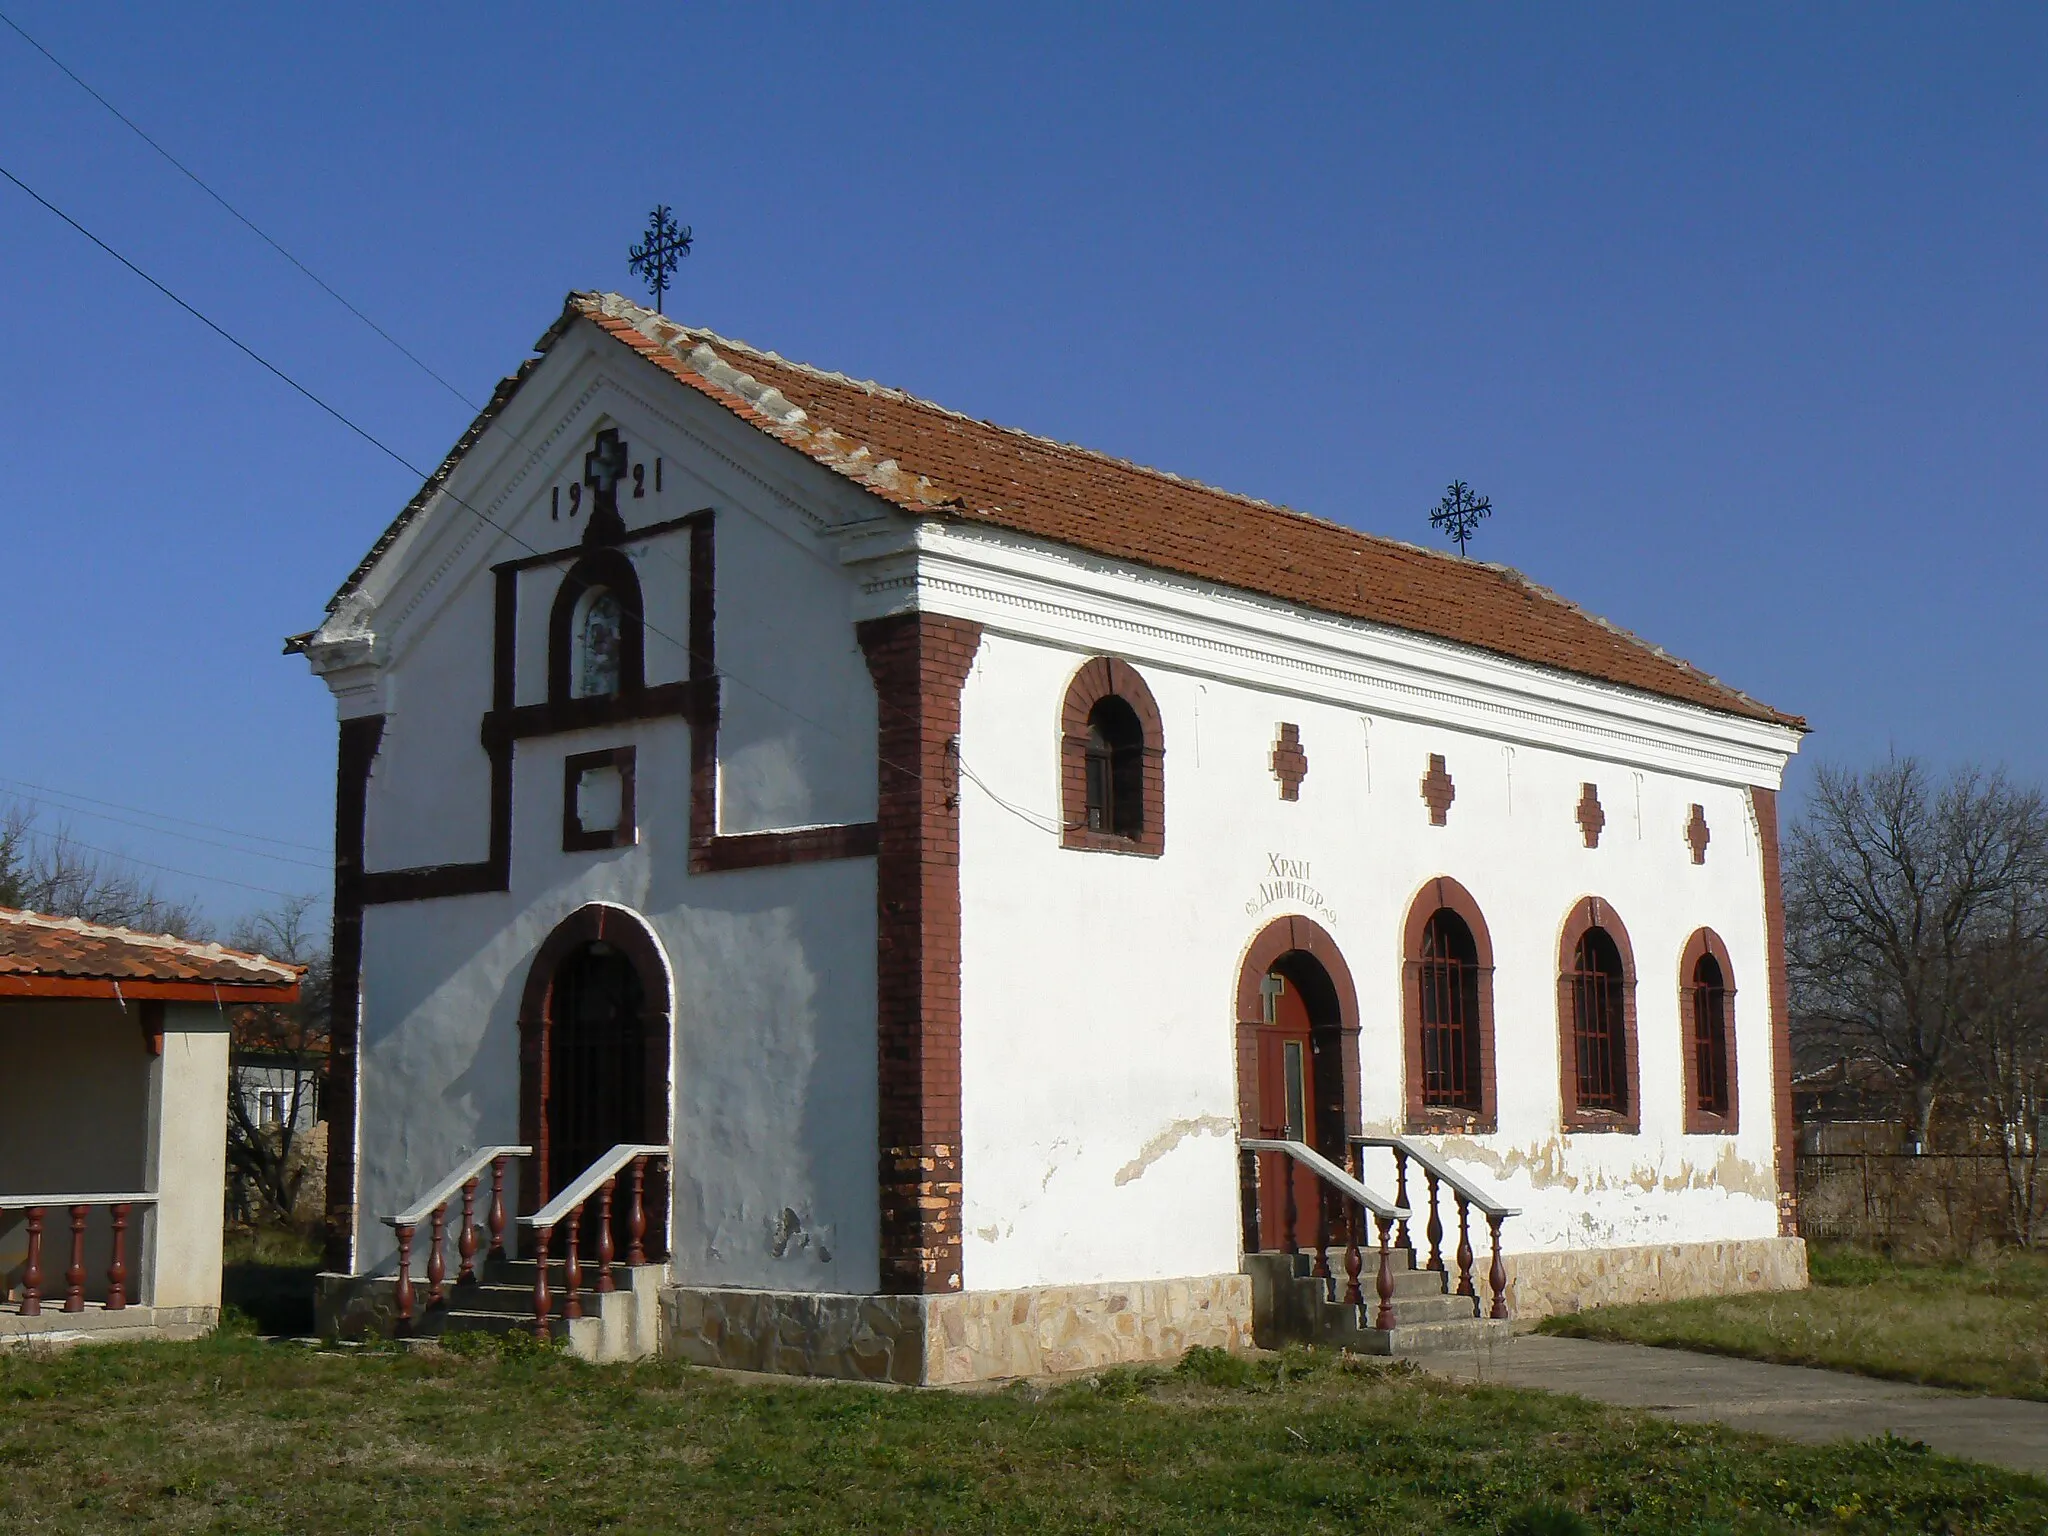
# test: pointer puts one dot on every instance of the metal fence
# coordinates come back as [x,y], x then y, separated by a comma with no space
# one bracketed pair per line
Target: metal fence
[1942,1201]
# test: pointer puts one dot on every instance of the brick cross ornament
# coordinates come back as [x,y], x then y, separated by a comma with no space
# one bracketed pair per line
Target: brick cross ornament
[1438,791]
[1290,762]
[1591,818]
[1696,834]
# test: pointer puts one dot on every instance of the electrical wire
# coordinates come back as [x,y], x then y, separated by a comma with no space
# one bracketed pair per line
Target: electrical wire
[248,223]
[190,837]
[136,810]
[65,839]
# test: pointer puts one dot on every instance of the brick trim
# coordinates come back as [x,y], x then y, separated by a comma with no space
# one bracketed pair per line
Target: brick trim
[1699,1122]
[575,837]
[1097,679]
[1279,938]
[1764,803]
[1592,912]
[919,662]
[356,750]
[629,933]
[1438,1120]
[610,568]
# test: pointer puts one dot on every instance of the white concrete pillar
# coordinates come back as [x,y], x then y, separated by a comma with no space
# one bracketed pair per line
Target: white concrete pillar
[188,1129]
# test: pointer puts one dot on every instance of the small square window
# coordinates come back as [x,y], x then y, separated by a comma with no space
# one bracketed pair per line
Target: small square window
[597,801]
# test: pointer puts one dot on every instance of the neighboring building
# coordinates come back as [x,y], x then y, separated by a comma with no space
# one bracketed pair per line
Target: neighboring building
[113,1125]
[951,843]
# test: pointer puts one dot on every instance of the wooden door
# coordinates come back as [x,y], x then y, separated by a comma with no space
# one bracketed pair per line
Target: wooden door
[1287,1108]
[596,1093]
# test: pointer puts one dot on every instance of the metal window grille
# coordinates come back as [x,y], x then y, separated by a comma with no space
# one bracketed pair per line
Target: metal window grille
[1709,1038]
[1448,982]
[1598,1027]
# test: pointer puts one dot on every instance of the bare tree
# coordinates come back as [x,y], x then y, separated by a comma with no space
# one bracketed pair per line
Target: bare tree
[1899,894]
[2005,1059]
[288,1040]
[50,871]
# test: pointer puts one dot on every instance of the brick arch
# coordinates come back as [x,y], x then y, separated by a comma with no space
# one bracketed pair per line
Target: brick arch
[1438,895]
[1098,679]
[1699,1122]
[1282,939]
[1592,912]
[611,570]
[626,931]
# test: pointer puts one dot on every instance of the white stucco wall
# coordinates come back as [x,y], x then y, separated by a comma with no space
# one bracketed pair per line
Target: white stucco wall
[1098,1058]
[188,1156]
[774,1077]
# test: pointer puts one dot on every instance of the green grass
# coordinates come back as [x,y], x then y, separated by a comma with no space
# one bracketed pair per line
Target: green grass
[239,1435]
[1981,1327]
[267,1278]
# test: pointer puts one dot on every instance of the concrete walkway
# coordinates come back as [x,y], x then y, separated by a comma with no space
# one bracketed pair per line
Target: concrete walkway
[1784,1400]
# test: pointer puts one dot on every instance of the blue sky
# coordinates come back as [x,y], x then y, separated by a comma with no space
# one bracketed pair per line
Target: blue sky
[1737,314]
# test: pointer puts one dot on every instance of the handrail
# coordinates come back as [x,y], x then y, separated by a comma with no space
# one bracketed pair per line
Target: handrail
[1436,1163]
[599,1179]
[445,1191]
[34,1208]
[1330,1174]
[588,1182]
[30,1202]
[1437,1170]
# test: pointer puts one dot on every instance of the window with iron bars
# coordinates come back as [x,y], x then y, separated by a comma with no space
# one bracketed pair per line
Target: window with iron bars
[1447,979]
[1115,761]
[1599,1023]
[1710,1037]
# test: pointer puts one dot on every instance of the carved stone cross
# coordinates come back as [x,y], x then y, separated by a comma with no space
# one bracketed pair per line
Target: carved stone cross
[1290,762]
[1438,791]
[603,468]
[1696,834]
[1591,817]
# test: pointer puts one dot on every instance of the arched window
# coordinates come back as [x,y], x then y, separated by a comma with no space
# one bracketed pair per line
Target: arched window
[1112,762]
[1448,1009]
[1707,1012]
[599,643]
[1597,1012]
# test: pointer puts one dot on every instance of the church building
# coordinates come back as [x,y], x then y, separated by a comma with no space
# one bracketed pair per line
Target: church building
[922,901]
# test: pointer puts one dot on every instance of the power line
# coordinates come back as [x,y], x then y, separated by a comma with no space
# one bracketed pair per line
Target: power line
[136,810]
[400,459]
[65,838]
[190,837]
[248,223]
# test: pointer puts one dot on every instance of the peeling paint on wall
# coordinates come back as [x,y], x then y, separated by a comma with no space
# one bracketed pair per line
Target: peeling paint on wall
[1169,1138]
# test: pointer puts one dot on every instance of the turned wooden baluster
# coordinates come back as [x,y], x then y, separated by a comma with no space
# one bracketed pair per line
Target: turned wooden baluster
[1321,1269]
[465,1245]
[1401,1239]
[74,1273]
[117,1266]
[1383,1318]
[404,1297]
[1248,1196]
[543,1239]
[32,1275]
[1436,1224]
[636,1215]
[1354,1262]
[1465,1250]
[437,1265]
[1497,1272]
[572,1267]
[604,1236]
[497,1216]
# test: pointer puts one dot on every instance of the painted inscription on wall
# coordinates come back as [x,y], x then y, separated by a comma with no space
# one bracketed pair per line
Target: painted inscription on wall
[1288,882]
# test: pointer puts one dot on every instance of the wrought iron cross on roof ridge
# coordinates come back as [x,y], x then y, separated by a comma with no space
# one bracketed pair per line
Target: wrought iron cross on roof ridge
[660,249]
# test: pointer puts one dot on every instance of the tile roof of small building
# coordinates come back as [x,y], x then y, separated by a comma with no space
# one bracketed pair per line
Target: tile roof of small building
[932,462]
[38,947]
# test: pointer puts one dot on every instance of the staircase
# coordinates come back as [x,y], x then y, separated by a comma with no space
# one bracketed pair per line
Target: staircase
[1292,1305]
[623,1324]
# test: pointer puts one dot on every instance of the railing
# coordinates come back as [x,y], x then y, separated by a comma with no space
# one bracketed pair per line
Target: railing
[1333,1184]
[432,1208]
[36,1208]
[600,1179]
[1469,1196]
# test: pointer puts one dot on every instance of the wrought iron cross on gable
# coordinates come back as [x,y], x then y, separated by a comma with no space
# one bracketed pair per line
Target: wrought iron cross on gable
[660,249]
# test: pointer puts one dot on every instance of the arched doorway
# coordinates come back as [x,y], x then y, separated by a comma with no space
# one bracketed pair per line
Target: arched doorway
[595,1030]
[1297,1058]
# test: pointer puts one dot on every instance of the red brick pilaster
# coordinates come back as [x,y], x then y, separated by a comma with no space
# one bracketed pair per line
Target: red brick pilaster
[919,662]
[1765,804]
[359,741]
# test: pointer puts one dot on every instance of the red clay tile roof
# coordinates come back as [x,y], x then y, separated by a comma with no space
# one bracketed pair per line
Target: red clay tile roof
[63,956]
[933,462]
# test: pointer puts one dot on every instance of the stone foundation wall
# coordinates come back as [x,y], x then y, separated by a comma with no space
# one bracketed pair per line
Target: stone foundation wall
[969,1336]
[1541,1284]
